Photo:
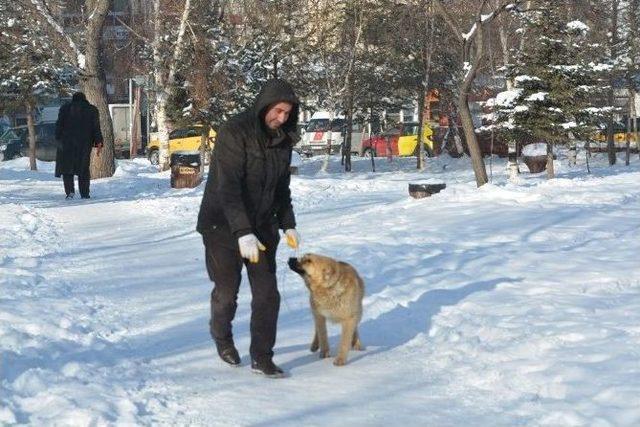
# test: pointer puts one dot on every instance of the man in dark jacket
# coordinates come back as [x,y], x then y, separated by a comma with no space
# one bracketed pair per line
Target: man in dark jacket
[77,132]
[246,199]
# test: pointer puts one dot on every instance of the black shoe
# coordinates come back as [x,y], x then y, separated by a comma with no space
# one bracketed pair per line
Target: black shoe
[85,197]
[229,355]
[70,196]
[267,368]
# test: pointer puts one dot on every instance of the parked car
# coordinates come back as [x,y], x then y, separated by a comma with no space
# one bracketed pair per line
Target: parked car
[400,140]
[383,144]
[10,145]
[183,139]
[16,142]
[619,137]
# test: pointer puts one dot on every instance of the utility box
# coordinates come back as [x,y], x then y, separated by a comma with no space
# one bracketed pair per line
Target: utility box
[185,169]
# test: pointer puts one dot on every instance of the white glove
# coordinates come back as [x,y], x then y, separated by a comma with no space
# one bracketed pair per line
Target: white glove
[293,238]
[250,247]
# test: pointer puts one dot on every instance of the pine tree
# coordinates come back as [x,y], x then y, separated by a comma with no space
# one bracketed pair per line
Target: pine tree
[554,82]
[31,72]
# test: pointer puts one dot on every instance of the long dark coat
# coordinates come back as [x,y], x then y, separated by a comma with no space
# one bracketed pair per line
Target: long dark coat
[247,188]
[77,131]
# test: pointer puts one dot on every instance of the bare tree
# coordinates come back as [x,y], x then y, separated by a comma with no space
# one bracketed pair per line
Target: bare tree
[31,71]
[632,87]
[472,46]
[86,58]
[164,72]
[613,50]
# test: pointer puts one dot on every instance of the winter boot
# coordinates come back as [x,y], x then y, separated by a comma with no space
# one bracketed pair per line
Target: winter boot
[267,368]
[229,354]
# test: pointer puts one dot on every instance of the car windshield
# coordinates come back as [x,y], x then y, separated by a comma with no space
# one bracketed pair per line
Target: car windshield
[8,135]
[322,125]
[391,132]
[318,125]
[409,129]
[178,133]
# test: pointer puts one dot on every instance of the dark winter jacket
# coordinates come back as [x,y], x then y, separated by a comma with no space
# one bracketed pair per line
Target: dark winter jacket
[77,131]
[248,184]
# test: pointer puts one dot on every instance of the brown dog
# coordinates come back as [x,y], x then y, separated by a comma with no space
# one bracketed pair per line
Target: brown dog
[336,292]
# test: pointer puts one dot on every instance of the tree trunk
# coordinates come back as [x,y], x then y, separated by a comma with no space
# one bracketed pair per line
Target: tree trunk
[504,45]
[632,41]
[471,65]
[160,106]
[479,168]
[325,162]
[419,152]
[423,89]
[164,88]
[513,168]
[573,152]
[205,152]
[134,144]
[347,135]
[611,148]
[32,136]
[587,154]
[627,151]
[93,84]
[550,172]
[634,121]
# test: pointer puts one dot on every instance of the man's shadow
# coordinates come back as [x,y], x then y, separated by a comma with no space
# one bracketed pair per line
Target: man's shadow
[400,325]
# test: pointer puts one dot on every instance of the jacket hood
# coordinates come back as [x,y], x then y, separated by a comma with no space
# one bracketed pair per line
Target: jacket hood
[79,97]
[274,91]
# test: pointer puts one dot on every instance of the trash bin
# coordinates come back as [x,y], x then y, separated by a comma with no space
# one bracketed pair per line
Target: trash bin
[536,164]
[185,169]
[418,191]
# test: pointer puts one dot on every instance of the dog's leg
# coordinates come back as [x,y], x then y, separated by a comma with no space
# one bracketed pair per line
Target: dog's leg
[356,344]
[348,329]
[320,338]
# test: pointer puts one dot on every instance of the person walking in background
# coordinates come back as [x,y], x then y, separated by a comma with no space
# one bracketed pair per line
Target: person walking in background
[77,132]
[246,199]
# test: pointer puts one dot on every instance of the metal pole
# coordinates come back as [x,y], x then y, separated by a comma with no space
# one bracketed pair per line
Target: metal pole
[148,118]
[130,114]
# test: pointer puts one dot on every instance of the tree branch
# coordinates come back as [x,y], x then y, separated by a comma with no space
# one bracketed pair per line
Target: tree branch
[141,37]
[70,48]
[448,19]
[177,52]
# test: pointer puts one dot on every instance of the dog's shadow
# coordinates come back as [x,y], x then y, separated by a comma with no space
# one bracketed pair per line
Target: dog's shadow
[399,325]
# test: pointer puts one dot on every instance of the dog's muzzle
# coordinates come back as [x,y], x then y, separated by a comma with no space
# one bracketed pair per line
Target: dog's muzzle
[294,265]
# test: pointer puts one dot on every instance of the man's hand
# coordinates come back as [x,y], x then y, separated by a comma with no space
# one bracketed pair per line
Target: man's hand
[293,238]
[250,247]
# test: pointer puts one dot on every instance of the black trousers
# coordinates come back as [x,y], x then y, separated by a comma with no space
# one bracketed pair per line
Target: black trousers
[224,265]
[83,183]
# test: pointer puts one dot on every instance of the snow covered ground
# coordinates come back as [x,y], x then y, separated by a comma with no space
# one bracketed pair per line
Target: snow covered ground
[512,304]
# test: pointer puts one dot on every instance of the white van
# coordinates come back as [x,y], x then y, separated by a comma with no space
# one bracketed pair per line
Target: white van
[315,138]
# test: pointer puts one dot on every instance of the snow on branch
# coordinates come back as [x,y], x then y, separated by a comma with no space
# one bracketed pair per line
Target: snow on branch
[44,12]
